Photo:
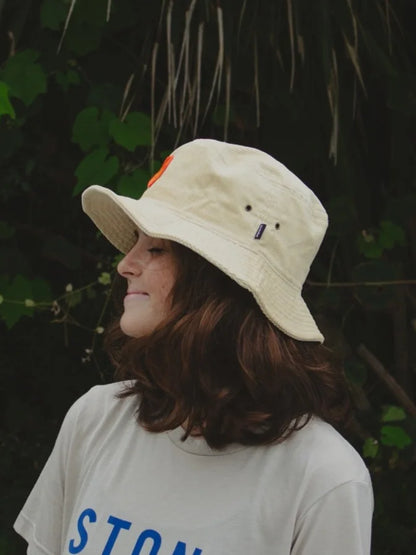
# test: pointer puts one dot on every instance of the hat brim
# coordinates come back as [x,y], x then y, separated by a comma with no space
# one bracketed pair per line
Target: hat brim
[118,218]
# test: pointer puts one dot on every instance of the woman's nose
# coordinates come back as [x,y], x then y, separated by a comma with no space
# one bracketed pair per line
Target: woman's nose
[130,264]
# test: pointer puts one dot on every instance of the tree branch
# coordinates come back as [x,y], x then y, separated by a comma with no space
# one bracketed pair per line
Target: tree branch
[388,379]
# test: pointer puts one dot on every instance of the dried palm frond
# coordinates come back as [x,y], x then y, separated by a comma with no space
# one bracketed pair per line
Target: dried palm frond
[67,20]
[170,60]
[152,104]
[352,48]
[125,106]
[333,97]
[217,79]
[198,76]
[202,49]
[256,82]
[292,42]
[109,4]
[387,11]
[227,98]
[240,19]
[184,61]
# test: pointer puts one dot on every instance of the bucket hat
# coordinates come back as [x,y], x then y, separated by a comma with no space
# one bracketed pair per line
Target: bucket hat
[237,207]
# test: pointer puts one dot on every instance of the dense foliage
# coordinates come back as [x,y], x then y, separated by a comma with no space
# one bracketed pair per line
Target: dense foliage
[94,91]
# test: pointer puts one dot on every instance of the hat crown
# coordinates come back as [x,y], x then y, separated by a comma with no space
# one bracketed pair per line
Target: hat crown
[249,197]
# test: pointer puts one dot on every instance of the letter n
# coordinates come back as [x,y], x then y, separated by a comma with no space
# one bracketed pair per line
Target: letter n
[153,535]
[180,549]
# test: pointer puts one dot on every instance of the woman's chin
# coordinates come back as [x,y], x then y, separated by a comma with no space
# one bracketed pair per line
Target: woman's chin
[133,328]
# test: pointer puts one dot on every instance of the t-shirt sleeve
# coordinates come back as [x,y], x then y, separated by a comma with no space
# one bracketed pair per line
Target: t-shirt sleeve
[41,520]
[339,522]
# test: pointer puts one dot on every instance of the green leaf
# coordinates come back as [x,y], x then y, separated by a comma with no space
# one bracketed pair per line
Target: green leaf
[41,290]
[134,131]
[5,106]
[395,436]
[392,413]
[96,167]
[91,128]
[66,79]
[74,298]
[133,185]
[370,448]
[104,278]
[18,290]
[26,78]
[391,235]
[369,246]
[83,37]
[373,243]
[53,14]
[116,259]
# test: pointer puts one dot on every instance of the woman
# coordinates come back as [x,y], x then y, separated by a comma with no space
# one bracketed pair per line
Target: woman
[219,438]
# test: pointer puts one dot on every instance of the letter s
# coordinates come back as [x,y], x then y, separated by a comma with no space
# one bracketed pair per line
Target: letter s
[83,536]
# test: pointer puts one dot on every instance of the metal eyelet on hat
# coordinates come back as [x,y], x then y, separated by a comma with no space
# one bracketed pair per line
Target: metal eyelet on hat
[248,207]
[277,225]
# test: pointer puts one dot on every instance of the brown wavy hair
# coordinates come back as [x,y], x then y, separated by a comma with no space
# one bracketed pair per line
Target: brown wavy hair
[218,367]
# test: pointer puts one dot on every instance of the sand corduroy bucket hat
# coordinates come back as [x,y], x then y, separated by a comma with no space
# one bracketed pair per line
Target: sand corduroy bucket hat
[239,208]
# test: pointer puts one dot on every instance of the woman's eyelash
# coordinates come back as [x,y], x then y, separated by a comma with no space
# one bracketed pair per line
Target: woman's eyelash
[155,249]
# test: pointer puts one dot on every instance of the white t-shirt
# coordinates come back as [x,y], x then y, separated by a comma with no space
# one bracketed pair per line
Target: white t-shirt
[112,488]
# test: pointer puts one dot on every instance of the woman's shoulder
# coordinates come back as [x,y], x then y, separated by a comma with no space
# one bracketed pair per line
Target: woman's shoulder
[104,393]
[100,405]
[315,463]
[321,451]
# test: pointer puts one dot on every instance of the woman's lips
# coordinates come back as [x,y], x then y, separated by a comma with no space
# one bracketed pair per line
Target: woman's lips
[135,294]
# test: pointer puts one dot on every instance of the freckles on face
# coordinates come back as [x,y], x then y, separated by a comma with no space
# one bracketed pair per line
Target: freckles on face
[150,270]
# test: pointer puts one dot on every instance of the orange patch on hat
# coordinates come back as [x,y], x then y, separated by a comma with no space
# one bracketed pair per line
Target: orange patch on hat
[165,164]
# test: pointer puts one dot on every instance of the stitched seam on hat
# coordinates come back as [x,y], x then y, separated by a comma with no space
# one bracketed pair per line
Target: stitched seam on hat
[283,277]
[314,202]
[286,186]
[198,223]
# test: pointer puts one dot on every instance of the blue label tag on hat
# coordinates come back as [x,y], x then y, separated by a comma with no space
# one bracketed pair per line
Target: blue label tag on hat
[260,231]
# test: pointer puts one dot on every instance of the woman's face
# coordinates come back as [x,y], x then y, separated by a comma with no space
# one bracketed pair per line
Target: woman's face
[150,270]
